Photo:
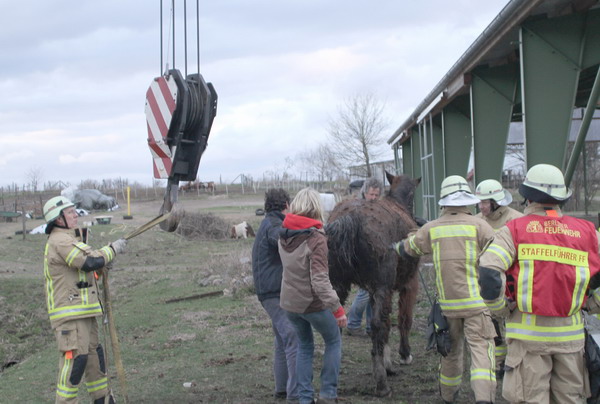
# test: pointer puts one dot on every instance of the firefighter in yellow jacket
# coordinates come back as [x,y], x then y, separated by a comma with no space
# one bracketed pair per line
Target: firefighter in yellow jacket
[70,267]
[455,241]
[538,269]
[494,209]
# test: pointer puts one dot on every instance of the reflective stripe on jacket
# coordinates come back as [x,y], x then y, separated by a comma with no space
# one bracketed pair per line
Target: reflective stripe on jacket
[455,241]
[529,327]
[543,333]
[70,292]
[556,257]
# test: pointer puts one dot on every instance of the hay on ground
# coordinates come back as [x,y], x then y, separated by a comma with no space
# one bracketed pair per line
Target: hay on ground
[202,226]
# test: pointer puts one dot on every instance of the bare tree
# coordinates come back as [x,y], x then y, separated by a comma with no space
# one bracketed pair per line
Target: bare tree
[321,163]
[34,177]
[358,131]
[516,152]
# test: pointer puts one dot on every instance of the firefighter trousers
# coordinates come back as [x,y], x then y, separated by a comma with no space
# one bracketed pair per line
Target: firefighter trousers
[81,358]
[478,332]
[549,378]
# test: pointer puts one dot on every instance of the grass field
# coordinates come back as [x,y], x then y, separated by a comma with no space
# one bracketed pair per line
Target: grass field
[221,345]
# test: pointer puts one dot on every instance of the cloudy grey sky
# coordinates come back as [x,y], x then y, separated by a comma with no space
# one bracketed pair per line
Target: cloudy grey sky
[74,74]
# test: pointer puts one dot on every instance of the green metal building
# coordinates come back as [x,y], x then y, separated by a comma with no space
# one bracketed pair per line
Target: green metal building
[535,63]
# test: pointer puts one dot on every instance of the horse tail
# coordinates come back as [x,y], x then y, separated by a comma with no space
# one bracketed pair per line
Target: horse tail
[342,240]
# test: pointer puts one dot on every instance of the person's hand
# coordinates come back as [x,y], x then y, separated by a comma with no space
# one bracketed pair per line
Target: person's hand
[512,305]
[340,317]
[420,221]
[119,245]
[342,321]
[396,247]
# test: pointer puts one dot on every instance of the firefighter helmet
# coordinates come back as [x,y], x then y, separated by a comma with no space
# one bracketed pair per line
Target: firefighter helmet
[492,189]
[455,191]
[452,184]
[545,183]
[54,206]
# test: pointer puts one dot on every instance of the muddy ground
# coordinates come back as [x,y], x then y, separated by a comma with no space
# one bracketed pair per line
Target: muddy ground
[222,373]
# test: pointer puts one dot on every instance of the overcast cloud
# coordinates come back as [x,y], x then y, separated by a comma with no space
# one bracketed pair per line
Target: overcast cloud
[74,74]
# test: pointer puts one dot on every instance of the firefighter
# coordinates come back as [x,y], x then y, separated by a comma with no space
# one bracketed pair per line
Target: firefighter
[494,209]
[544,262]
[494,203]
[455,240]
[70,268]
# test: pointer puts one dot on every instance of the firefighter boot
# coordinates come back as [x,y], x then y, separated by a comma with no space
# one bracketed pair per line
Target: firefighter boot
[105,400]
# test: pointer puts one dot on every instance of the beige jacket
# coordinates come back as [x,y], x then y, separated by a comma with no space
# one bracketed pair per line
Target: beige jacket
[500,216]
[305,286]
[70,292]
[455,241]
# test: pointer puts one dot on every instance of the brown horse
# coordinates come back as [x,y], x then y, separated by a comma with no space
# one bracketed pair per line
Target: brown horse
[360,234]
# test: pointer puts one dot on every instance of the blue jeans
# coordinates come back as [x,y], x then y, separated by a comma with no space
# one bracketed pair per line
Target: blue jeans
[360,303]
[285,348]
[326,325]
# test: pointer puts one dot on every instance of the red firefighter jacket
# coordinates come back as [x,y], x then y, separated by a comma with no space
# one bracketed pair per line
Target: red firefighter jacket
[556,257]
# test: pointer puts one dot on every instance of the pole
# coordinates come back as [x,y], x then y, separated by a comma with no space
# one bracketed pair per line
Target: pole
[583,130]
[114,338]
[23,219]
[128,216]
[585,181]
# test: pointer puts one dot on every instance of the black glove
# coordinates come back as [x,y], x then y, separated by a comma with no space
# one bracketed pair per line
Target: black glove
[420,221]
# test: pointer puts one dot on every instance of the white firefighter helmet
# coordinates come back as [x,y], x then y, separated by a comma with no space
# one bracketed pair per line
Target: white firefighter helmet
[545,183]
[54,206]
[492,189]
[452,184]
[455,191]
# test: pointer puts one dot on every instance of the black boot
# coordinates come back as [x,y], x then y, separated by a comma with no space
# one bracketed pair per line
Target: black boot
[106,399]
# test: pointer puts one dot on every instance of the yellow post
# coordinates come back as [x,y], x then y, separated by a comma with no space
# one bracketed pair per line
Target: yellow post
[128,216]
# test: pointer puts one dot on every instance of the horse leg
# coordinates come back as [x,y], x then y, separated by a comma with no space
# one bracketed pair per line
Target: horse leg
[406,302]
[381,302]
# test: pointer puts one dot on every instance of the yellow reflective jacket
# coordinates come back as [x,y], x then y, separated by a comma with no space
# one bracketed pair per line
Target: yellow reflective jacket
[70,292]
[455,241]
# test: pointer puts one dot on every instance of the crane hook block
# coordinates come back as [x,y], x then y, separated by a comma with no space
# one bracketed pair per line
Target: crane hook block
[179,116]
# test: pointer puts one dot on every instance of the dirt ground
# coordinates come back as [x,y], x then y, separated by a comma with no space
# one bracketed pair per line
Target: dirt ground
[245,324]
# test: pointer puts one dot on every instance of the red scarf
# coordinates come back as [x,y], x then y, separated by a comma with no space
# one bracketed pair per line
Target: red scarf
[296,222]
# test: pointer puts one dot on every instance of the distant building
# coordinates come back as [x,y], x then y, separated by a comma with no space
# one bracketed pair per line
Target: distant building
[378,170]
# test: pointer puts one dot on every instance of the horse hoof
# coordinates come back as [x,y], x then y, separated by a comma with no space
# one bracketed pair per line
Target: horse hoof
[406,361]
[387,392]
[391,372]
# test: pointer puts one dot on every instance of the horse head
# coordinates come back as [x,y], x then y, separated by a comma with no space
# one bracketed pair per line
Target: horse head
[402,189]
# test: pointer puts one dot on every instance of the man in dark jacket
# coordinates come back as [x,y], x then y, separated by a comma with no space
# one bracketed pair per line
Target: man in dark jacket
[267,272]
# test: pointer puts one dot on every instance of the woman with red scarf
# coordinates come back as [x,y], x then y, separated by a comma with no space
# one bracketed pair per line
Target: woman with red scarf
[308,297]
